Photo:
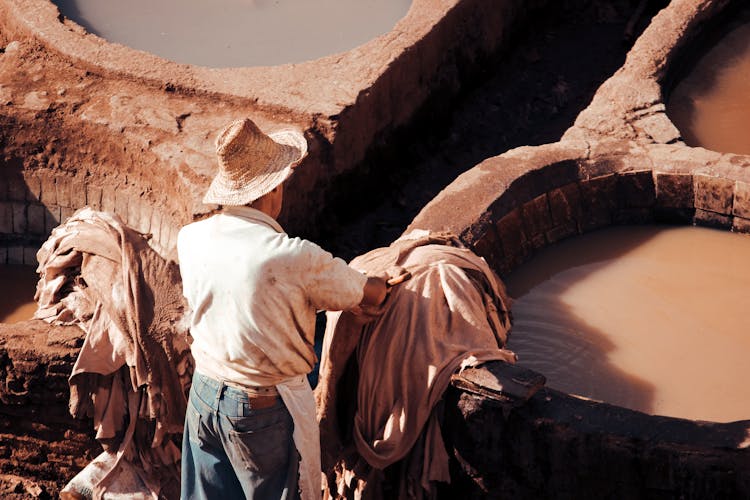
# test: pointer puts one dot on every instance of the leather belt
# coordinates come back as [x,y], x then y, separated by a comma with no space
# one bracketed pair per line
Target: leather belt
[260,402]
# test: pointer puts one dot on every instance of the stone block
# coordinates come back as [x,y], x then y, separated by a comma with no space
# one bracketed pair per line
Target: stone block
[164,231]
[712,219]
[739,225]
[489,247]
[741,205]
[16,188]
[144,218]
[77,193]
[513,241]
[49,190]
[63,187]
[537,220]
[156,221]
[59,367]
[674,190]
[633,216]
[599,200]
[636,189]
[565,212]
[169,235]
[6,217]
[29,256]
[565,205]
[51,218]
[133,214]
[19,218]
[108,199]
[94,196]
[34,186]
[674,215]
[35,218]
[659,127]
[121,205]
[559,233]
[15,255]
[714,194]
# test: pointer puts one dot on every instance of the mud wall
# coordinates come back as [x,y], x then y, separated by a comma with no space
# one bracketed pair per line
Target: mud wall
[169,113]
[559,447]
[41,445]
[32,203]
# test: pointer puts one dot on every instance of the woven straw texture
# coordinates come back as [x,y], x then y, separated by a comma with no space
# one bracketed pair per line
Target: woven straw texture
[252,163]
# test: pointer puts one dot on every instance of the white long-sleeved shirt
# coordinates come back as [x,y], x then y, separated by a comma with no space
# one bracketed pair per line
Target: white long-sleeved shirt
[254,292]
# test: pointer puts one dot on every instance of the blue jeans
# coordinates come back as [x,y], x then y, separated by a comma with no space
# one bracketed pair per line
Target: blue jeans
[231,450]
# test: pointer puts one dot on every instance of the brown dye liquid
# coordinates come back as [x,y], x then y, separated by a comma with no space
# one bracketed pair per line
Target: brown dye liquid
[17,293]
[648,318]
[711,106]
[233,33]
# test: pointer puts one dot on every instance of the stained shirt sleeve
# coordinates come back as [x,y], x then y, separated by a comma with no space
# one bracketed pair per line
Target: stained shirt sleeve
[330,283]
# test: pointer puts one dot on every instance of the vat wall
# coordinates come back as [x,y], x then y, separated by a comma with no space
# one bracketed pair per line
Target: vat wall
[532,197]
[41,445]
[555,447]
[34,202]
[111,109]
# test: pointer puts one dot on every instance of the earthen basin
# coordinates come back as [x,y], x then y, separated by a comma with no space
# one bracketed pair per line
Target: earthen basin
[559,445]
[148,124]
[623,162]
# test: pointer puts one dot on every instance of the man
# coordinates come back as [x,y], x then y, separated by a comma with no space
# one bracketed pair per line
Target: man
[254,292]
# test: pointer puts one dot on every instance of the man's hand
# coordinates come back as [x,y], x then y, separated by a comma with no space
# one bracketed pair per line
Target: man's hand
[376,290]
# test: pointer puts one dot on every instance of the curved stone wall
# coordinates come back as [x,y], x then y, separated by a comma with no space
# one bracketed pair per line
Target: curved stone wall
[171,112]
[630,104]
[508,207]
[623,162]
[513,204]
[33,202]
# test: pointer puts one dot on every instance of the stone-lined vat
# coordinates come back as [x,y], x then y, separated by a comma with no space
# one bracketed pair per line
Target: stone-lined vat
[623,162]
[558,445]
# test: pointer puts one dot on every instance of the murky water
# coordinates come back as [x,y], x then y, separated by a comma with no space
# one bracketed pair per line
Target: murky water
[18,284]
[232,33]
[711,106]
[650,318]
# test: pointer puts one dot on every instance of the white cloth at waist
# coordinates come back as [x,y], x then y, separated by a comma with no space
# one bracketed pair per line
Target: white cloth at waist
[299,400]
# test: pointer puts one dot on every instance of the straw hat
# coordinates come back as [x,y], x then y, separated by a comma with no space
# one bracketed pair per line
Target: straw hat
[252,163]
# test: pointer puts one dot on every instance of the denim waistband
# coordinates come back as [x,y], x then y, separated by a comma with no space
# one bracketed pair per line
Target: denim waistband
[212,391]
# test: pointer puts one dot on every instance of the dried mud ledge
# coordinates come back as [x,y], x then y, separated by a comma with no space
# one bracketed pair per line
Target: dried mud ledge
[622,162]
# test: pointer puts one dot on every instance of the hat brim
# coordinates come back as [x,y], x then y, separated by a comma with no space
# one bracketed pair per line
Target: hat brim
[224,191]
